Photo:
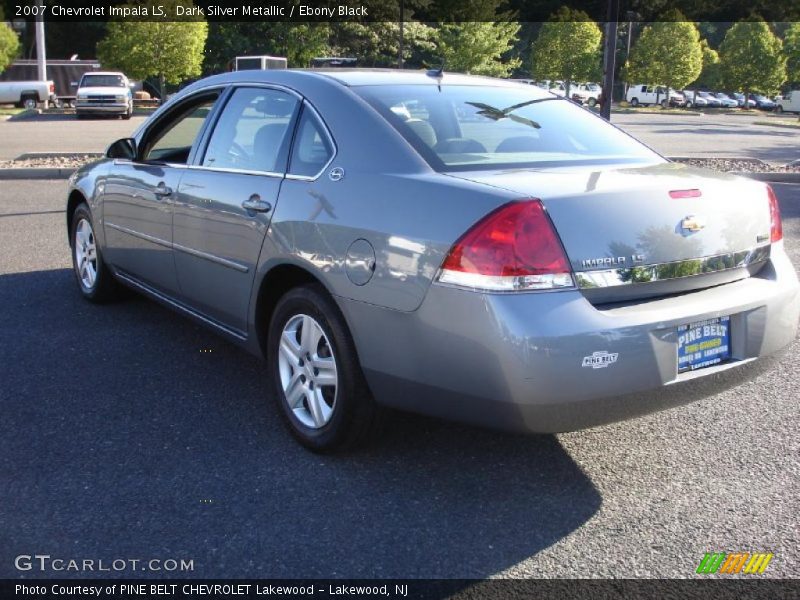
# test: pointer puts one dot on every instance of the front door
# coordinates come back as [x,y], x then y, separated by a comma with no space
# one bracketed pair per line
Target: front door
[139,196]
[226,200]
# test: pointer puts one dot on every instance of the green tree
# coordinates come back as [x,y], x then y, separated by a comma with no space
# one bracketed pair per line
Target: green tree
[377,44]
[567,48]
[668,53]
[9,46]
[751,58]
[298,42]
[709,76]
[791,48]
[479,48]
[169,50]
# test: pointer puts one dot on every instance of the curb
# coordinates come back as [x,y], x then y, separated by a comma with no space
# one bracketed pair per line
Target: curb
[37,173]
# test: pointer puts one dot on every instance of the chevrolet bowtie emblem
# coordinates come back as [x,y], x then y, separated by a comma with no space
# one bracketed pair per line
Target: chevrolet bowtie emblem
[693,223]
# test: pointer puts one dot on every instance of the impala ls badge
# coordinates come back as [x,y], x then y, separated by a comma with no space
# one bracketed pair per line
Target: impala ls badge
[692,223]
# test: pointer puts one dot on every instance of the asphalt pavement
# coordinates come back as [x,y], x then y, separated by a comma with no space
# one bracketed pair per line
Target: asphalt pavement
[129,432]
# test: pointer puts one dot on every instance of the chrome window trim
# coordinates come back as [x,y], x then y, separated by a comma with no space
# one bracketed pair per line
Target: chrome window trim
[335,148]
[660,271]
[236,171]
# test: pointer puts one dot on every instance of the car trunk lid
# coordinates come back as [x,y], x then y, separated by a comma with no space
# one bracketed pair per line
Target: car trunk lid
[641,231]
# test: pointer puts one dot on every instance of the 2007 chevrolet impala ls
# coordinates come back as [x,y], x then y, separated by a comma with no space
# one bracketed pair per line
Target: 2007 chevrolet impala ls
[458,246]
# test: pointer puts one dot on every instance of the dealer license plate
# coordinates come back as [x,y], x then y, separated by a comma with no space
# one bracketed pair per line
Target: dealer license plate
[704,344]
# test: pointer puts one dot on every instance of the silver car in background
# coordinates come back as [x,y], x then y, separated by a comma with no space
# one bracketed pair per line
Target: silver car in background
[463,247]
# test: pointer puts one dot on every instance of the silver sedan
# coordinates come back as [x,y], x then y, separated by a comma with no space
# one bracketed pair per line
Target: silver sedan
[457,246]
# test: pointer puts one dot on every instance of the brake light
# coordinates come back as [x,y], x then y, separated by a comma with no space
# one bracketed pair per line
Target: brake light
[775,227]
[513,248]
[52,88]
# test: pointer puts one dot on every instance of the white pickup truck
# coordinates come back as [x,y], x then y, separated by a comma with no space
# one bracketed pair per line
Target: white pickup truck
[27,94]
[104,93]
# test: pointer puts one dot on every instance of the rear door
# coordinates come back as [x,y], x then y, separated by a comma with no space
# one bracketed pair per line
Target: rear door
[139,197]
[226,201]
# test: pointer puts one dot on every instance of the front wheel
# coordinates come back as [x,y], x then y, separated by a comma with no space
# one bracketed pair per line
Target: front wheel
[688,104]
[591,102]
[663,104]
[315,373]
[95,281]
[779,109]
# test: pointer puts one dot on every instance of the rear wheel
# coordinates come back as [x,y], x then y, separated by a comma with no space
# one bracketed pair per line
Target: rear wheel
[95,281]
[29,102]
[315,374]
[634,102]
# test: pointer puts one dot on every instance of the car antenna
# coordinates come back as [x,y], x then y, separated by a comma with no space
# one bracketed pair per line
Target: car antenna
[437,73]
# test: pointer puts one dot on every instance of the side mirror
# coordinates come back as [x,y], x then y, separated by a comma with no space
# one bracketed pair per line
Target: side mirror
[124,148]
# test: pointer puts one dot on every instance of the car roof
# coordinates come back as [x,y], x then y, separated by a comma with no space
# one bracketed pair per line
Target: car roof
[104,73]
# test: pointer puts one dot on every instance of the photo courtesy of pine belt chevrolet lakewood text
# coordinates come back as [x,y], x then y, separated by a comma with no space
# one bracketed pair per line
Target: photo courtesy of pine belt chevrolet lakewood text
[463,247]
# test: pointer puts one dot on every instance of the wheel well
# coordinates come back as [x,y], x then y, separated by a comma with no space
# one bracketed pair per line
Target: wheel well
[75,199]
[275,284]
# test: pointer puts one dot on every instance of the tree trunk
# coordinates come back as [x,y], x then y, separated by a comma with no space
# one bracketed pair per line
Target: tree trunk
[161,85]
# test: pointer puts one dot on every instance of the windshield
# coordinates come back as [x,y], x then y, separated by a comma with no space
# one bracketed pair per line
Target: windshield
[102,81]
[473,127]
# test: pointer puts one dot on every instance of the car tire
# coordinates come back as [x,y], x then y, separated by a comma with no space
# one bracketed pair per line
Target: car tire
[29,102]
[634,102]
[128,114]
[689,104]
[95,280]
[779,109]
[663,104]
[323,417]
[592,102]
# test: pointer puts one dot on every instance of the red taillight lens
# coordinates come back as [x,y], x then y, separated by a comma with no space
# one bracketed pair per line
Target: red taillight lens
[775,227]
[512,248]
[52,88]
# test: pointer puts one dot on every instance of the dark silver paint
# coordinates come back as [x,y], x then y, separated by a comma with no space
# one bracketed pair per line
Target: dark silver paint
[206,241]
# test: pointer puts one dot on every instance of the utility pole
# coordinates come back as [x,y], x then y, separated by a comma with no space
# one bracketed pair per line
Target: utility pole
[609,58]
[41,57]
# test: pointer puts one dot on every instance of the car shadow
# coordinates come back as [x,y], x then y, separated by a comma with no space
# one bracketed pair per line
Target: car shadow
[130,432]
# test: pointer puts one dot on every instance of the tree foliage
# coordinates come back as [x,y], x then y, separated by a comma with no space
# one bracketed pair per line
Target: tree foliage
[479,48]
[9,45]
[567,48]
[169,50]
[751,58]
[667,53]
[377,44]
[710,75]
[298,42]
[791,48]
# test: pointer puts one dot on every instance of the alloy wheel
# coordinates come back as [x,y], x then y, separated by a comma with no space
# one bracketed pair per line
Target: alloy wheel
[308,372]
[85,254]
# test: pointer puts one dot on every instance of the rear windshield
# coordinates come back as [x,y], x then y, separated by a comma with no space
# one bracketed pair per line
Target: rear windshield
[102,81]
[474,127]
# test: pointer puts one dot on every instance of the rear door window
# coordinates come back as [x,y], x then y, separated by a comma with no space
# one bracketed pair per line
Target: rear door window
[253,132]
[312,149]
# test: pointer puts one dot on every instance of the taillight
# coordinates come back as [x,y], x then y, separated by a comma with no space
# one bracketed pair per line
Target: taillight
[775,227]
[513,248]
[52,88]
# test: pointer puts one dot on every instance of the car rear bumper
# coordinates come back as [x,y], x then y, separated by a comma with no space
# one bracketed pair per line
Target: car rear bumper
[515,361]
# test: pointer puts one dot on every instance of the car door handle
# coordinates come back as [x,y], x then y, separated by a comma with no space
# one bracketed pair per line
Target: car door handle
[256,204]
[162,191]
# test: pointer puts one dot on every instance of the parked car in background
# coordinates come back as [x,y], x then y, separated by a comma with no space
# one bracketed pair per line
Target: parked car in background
[739,97]
[694,98]
[762,102]
[727,101]
[454,263]
[592,93]
[789,102]
[711,100]
[104,93]
[641,94]
[27,94]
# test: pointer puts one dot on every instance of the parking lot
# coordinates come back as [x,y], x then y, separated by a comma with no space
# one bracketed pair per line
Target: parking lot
[130,432]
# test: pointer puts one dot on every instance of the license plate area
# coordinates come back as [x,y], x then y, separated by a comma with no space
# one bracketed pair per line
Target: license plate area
[704,344]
